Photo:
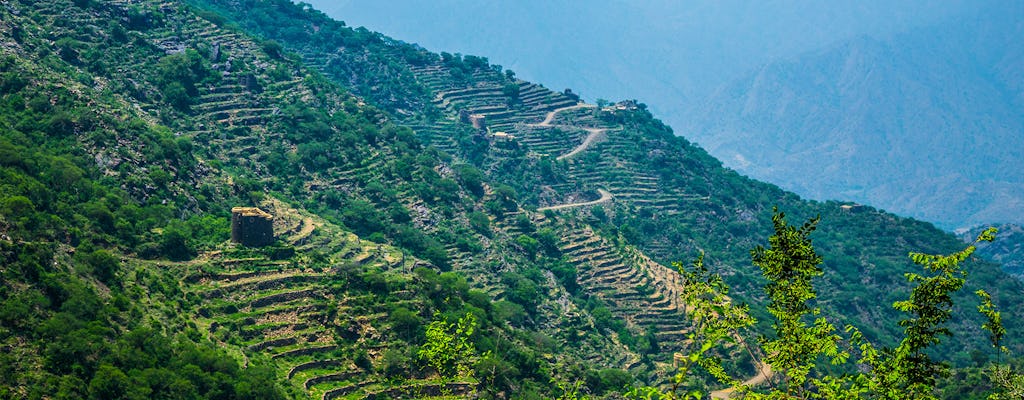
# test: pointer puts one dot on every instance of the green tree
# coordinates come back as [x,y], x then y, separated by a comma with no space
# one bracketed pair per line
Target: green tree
[405,323]
[471,179]
[104,265]
[528,245]
[1009,385]
[273,49]
[174,242]
[908,371]
[480,223]
[111,383]
[448,349]
[789,265]
[179,76]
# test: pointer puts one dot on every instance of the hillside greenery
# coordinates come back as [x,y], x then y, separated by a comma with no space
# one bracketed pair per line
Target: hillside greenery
[416,256]
[803,341]
[1008,251]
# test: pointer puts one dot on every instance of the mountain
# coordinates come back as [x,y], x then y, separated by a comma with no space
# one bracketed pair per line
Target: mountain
[416,197]
[1007,251]
[924,123]
[695,65]
[670,54]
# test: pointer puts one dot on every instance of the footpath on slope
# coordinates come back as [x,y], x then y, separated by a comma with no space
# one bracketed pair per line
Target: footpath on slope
[593,134]
[551,115]
[764,371]
[605,197]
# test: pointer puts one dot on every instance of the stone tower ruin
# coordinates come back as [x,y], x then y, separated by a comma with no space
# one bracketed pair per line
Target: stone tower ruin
[252,227]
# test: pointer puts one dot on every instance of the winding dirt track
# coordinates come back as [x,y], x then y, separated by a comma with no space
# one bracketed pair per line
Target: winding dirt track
[551,115]
[605,197]
[764,372]
[593,134]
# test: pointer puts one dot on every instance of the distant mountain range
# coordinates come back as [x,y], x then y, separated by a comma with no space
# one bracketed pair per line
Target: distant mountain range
[927,123]
[669,54]
[907,107]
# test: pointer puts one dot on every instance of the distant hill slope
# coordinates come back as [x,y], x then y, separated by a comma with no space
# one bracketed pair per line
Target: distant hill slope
[669,54]
[926,124]
[1008,249]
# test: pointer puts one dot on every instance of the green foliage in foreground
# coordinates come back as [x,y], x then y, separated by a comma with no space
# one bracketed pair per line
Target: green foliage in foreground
[790,359]
[91,345]
[447,348]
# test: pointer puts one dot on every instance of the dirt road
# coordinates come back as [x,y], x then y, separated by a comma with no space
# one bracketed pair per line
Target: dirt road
[605,197]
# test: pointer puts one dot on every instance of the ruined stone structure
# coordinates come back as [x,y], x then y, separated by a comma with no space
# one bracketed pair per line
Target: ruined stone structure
[252,227]
[249,82]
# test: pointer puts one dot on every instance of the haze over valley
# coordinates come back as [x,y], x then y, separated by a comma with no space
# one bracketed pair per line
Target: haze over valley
[908,107]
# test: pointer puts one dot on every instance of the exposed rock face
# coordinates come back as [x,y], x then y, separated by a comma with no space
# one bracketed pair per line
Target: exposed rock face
[251,226]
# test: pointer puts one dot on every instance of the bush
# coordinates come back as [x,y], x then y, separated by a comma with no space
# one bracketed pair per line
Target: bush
[104,265]
[396,363]
[179,75]
[405,323]
[480,223]
[528,245]
[174,242]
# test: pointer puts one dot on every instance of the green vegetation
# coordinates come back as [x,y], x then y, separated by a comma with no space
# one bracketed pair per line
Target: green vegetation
[411,258]
[791,358]
[180,75]
[447,348]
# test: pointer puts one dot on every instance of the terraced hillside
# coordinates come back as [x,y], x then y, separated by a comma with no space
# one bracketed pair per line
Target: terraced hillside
[645,292]
[302,314]
[259,125]
[668,197]
[412,190]
[547,124]
[540,125]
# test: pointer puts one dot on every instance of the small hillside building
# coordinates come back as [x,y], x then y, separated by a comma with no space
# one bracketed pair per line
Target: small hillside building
[252,227]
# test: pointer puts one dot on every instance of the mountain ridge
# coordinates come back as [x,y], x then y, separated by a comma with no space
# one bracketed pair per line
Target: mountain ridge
[674,56]
[870,102]
[394,213]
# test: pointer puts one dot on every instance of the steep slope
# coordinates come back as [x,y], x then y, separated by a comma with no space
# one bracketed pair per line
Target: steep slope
[88,179]
[668,197]
[389,219]
[190,119]
[924,123]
